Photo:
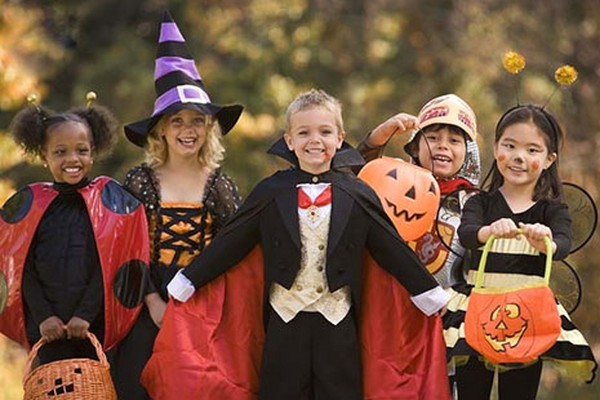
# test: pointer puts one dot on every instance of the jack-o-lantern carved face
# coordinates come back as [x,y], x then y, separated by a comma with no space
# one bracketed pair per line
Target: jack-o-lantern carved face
[409,194]
[513,326]
[505,327]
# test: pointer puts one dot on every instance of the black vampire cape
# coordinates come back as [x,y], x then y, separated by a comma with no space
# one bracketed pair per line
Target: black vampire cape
[211,346]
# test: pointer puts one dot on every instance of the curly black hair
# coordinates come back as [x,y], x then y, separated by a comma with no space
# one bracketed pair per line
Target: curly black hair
[30,126]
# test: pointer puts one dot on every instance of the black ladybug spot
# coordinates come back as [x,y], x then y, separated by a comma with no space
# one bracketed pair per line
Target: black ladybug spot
[117,199]
[129,283]
[17,207]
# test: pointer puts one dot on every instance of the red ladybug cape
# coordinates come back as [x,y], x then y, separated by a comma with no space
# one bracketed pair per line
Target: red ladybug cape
[210,347]
[121,233]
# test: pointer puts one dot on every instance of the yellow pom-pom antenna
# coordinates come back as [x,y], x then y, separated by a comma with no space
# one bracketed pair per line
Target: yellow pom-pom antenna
[32,98]
[565,75]
[513,62]
[90,97]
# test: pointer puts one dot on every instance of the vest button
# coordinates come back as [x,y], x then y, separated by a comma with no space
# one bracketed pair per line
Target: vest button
[321,247]
[319,289]
[299,288]
[315,179]
[320,268]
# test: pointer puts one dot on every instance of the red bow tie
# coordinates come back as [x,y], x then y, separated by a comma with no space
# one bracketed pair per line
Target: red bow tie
[323,199]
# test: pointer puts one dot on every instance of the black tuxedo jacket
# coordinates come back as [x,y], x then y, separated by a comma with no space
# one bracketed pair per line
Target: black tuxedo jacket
[269,218]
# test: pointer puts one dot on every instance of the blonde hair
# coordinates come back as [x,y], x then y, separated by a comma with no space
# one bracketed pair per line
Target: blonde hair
[312,99]
[211,153]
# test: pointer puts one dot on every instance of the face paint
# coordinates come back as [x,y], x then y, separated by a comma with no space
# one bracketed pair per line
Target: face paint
[535,165]
[501,157]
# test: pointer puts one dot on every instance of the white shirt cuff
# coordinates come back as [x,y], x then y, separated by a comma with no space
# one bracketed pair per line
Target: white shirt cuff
[431,301]
[180,287]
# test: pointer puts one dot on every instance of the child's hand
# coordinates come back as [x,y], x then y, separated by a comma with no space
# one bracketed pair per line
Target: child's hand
[504,228]
[156,307]
[535,234]
[77,328]
[52,328]
[398,124]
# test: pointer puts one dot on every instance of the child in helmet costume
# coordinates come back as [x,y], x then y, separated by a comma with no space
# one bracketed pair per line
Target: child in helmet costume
[444,142]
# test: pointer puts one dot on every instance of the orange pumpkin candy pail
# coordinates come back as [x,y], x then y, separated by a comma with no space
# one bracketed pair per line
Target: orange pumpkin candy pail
[512,324]
[409,194]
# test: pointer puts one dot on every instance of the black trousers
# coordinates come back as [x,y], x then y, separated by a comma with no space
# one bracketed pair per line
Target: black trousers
[474,382]
[309,358]
[129,358]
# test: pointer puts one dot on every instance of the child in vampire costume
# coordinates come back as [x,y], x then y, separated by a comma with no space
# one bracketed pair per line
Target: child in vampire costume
[329,311]
[73,253]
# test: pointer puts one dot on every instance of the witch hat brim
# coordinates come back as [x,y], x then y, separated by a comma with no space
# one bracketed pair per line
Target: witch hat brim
[137,132]
[178,86]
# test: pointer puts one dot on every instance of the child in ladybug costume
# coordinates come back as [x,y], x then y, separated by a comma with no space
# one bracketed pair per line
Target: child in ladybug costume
[73,253]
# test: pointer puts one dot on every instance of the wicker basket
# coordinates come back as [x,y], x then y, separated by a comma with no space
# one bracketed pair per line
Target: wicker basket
[71,379]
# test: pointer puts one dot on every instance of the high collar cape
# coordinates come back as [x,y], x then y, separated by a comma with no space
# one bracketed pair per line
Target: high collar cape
[211,346]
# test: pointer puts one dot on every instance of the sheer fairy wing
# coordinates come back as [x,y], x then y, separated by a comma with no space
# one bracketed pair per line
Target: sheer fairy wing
[584,214]
[565,281]
[449,214]
[566,285]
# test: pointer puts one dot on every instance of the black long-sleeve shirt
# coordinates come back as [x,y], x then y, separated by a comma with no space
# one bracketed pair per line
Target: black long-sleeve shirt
[62,274]
[485,208]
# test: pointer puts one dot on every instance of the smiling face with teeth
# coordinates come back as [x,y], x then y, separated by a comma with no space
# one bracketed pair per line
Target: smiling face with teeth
[314,136]
[442,151]
[185,133]
[68,151]
[522,155]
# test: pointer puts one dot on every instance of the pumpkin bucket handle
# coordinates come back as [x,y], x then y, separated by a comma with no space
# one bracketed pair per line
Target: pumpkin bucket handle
[488,246]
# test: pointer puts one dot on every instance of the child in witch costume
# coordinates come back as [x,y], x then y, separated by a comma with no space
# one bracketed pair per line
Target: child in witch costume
[186,196]
[74,252]
[444,142]
[314,223]
[524,202]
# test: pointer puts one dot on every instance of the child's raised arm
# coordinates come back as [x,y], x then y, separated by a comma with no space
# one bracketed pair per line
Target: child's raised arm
[398,124]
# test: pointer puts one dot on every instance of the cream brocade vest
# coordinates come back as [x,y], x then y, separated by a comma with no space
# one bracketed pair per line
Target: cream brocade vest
[310,291]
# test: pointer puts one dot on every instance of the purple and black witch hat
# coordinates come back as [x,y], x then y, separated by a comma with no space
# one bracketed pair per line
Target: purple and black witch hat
[178,85]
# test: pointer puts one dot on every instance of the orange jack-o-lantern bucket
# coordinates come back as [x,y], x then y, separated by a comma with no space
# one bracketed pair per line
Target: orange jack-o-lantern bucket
[514,324]
[409,194]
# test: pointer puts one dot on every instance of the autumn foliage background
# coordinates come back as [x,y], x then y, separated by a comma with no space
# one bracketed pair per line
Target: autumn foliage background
[378,56]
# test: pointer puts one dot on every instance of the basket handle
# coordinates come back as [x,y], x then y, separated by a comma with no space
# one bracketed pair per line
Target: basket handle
[488,246]
[36,347]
